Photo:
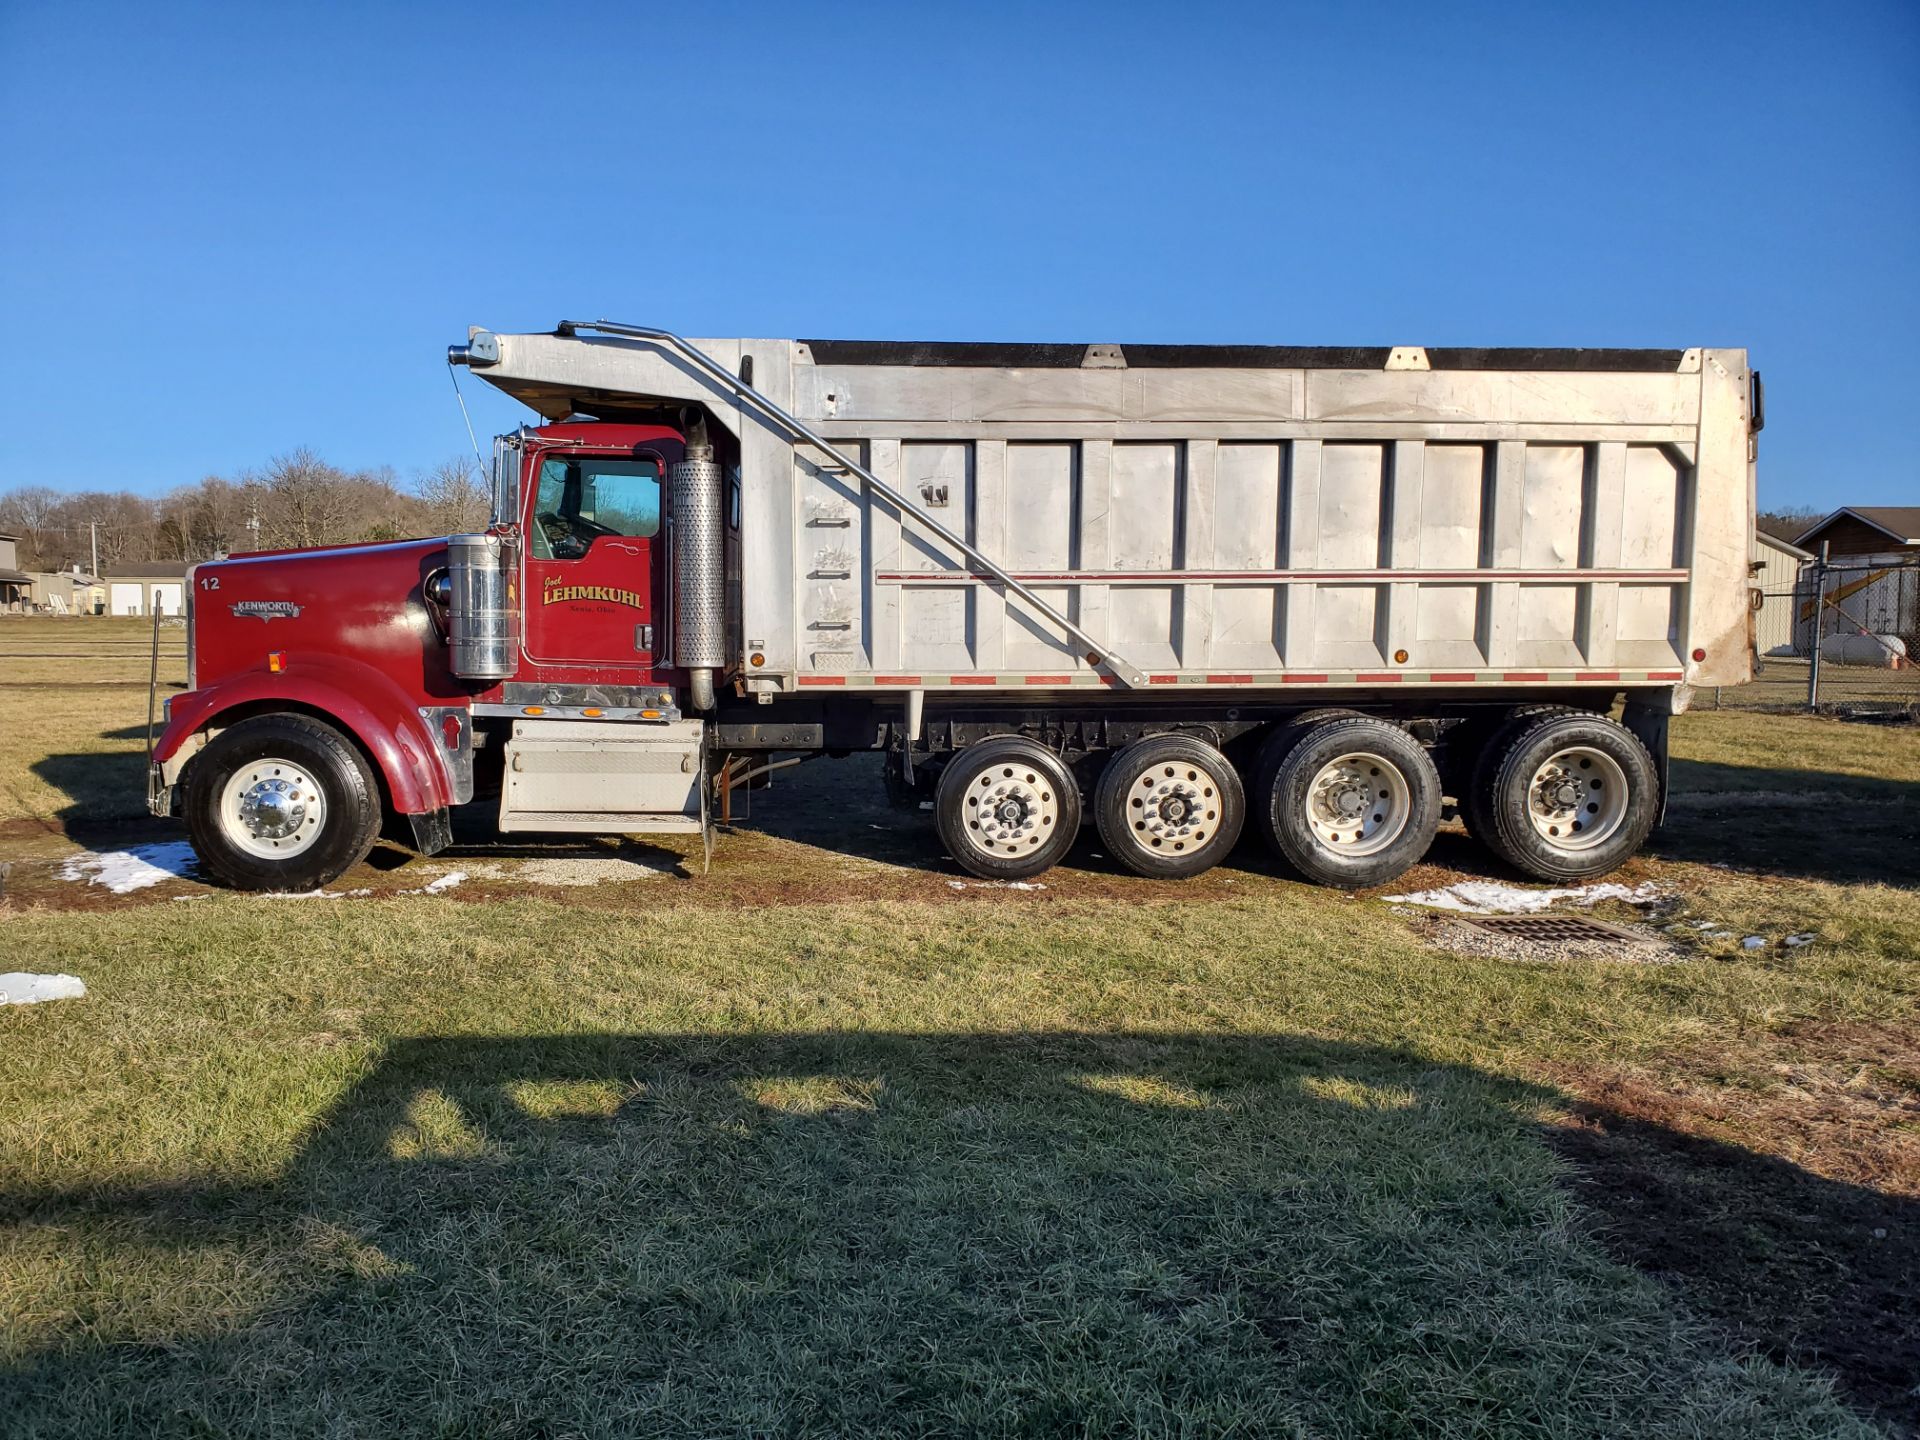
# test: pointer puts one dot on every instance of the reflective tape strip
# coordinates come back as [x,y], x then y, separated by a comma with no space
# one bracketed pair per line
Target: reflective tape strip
[1258,678]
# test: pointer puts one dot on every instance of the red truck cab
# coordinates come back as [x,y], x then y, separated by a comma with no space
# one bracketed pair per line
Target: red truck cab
[322,688]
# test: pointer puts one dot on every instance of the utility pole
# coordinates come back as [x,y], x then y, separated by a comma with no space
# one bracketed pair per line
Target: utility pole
[93,532]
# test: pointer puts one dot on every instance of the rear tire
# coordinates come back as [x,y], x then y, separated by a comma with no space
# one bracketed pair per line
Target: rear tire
[1566,796]
[1476,773]
[1352,803]
[281,802]
[1169,806]
[1008,808]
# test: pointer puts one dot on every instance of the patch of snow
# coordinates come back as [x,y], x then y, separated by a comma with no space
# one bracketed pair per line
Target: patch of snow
[1754,942]
[994,885]
[124,871]
[445,882]
[1489,897]
[1796,941]
[19,988]
[304,894]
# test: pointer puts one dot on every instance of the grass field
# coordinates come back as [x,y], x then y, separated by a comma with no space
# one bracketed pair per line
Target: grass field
[830,1141]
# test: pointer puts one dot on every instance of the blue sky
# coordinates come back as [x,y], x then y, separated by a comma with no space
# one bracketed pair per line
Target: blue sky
[228,231]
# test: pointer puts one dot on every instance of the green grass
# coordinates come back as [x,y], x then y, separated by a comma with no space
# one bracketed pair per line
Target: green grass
[875,1155]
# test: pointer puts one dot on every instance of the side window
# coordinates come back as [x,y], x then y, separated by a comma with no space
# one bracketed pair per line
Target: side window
[581,498]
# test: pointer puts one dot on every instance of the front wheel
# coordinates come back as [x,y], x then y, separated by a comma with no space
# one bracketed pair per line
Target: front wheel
[1007,808]
[281,802]
[1351,803]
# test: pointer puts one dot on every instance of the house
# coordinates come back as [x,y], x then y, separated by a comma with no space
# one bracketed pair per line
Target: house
[144,587]
[1776,574]
[69,592]
[1776,567]
[1872,584]
[16,586]
[1881,531]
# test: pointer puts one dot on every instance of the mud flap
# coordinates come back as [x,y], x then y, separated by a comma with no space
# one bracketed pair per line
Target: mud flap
[432,832]
[1649,725]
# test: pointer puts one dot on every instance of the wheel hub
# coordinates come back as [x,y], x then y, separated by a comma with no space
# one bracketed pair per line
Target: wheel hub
[1173,805]
[1010,809]
[1577,799]
[1358,804]
[272,809]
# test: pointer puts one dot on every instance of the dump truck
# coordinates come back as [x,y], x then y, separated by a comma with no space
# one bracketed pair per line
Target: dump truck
[1342,593]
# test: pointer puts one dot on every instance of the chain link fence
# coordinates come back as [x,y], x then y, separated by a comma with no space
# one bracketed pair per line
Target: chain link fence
[1845,638]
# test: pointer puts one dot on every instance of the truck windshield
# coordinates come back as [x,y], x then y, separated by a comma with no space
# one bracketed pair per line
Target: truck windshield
[582,498]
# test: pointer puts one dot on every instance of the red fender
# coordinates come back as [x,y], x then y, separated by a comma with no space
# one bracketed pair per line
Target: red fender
[354,696]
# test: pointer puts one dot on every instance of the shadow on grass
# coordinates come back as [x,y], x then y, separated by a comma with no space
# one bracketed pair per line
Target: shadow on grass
[106,794]
[850,1233]
[1821,825]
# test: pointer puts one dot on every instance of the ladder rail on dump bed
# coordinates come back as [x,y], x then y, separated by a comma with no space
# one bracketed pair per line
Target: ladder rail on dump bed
[1129,674]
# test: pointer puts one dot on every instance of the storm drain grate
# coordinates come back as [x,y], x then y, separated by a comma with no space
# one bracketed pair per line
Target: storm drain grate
[1552,929]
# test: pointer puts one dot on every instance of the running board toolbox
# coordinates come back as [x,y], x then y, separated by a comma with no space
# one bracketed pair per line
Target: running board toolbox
[601,777]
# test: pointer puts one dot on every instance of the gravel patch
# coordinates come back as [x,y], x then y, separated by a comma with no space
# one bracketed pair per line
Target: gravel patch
[1446,932]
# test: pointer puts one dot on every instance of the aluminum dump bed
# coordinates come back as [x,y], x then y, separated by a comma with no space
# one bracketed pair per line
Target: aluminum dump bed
[1215,516]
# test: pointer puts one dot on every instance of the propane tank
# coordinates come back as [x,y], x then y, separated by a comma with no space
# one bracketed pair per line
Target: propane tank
[695,488]
[483,620]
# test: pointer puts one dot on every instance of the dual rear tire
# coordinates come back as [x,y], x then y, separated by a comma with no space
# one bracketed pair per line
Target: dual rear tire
[1168,806]
[1347,800]
[1563,795]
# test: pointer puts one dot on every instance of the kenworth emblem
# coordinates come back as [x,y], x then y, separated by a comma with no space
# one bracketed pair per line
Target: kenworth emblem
[265,609]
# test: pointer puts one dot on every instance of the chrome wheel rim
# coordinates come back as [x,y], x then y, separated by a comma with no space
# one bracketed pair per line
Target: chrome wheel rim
[1577,799]
[1358,804]
[273,809]
[1012,808]
[1173,807]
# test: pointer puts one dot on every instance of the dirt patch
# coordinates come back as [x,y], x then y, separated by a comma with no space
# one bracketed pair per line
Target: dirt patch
[1809,1270]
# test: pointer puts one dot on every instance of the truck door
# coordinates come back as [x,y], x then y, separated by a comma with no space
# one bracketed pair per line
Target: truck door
[592,522]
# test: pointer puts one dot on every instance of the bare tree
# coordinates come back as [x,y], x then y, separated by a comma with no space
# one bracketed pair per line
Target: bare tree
[121,524]
[32,512]
[455,496]
[297,500]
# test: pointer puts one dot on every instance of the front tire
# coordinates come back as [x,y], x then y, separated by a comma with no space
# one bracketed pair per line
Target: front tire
[1007,808]
[1566,797]
[1169,806]
[1353,802]
[280,803]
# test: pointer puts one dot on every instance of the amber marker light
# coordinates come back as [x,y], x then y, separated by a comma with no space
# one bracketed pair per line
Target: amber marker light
[756,659]
[649,714]
[533,710]
[593,714]
[276,661]
[1399,657]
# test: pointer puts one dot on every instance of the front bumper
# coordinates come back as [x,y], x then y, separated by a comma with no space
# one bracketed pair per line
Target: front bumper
[160,795]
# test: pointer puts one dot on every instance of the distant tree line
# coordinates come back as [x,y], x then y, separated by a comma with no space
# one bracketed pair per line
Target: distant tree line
[295,499]
[1785,524]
